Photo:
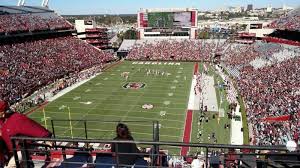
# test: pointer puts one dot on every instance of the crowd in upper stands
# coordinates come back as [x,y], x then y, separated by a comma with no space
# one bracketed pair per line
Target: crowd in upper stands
[32,22]
[185,50]
[268,82]
[272,91]
[29,65]
[290,21]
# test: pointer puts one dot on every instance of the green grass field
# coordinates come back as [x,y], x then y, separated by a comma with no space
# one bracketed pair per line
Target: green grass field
[111,102]
[103,101]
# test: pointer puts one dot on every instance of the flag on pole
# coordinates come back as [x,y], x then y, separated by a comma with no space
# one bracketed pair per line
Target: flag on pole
[71,127]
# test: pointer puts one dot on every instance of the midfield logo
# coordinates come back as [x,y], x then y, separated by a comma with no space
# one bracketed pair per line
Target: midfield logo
[134,85]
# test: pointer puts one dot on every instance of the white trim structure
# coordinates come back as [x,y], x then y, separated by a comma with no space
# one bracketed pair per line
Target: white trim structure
[45,3]
[21,3]
[236,133]
[194,100]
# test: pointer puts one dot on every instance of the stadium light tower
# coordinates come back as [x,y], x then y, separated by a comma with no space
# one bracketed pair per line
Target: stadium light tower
[45,3]
[21,2]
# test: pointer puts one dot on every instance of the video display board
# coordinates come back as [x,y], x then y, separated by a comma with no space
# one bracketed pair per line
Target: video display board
[256,26]
[182,19]
[160,19]
[169,19]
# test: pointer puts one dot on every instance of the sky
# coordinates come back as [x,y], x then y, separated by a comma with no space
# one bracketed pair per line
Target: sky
[132,6]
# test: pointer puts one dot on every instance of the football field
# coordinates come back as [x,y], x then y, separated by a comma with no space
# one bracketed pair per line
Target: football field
[154,91]
[109,97]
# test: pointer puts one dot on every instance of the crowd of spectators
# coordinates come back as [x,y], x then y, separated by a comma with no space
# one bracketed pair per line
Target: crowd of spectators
[290,21]
[185,50]
[47,92]
[32,22]
[272,91]
[30,65]
[268,82]
[258,54]
[239,54]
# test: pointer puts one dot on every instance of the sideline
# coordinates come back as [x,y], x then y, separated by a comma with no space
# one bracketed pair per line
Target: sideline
[37,108]
[189,114]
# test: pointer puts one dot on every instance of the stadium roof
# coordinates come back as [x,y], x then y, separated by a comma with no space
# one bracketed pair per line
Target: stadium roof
[23,9]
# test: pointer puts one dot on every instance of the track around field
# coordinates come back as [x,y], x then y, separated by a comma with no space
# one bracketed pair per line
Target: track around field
[187,131]
[188,121]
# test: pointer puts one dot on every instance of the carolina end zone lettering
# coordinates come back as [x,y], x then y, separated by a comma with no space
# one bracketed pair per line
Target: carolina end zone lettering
[156,63]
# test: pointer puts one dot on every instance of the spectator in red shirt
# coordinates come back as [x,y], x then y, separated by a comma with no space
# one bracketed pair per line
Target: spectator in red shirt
[3,150]
[16,124]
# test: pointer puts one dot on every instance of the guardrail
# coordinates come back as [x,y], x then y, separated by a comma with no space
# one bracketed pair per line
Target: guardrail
[226,155]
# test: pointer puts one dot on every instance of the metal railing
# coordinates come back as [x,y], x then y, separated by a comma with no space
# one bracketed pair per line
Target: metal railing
[84,125]
[227,155]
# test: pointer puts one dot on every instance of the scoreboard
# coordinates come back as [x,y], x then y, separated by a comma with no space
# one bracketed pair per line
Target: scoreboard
[169,19]
[167,22]
[178,19]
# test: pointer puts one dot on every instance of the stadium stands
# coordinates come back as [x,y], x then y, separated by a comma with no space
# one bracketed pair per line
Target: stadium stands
[179,50]
[290,21]
[267,78]
[240,55]
[15,23]
[272,91]
[29,65]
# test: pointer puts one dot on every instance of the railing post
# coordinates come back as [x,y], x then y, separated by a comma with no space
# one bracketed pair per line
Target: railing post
[86,134]
[25,154]
[117,154]
[266,163]
[206,160]
[63,150]
[85,130]
[53,130]
[15,153]
[155,150]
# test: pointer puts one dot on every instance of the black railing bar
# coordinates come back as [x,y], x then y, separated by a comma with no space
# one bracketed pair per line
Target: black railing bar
[124,165]
[162,143]
[259,154]
[90,163]
[226,160]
